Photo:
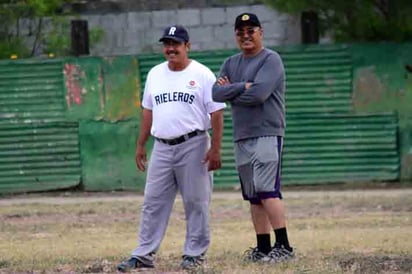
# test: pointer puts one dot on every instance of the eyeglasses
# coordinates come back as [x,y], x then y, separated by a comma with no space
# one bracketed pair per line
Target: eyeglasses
[249,31]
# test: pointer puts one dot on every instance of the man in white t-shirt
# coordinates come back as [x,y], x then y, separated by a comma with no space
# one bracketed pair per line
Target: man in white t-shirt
[178,111]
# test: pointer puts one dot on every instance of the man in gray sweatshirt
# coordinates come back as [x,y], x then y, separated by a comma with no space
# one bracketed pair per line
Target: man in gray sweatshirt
[253,82]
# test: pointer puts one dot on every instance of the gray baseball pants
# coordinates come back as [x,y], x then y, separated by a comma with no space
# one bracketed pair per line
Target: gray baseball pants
[174,168]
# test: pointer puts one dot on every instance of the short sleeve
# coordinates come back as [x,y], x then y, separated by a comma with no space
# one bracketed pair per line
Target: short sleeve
[147,99]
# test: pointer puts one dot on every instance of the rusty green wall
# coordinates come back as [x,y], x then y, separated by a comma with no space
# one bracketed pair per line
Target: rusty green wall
[382,83]
[103,95]
[107,152]
[39,148]
[71,121]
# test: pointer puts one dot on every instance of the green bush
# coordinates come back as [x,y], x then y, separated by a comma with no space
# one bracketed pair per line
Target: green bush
[55,39]
[13,46]
[356,21]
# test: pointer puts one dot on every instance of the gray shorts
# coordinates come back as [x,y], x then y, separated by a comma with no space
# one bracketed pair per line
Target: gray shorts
[258,162]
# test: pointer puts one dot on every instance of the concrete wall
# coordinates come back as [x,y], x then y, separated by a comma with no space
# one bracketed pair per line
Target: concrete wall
[107,6]
[209,28]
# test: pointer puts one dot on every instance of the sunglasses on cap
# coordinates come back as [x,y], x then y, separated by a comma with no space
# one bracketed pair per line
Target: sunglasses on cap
[249,31]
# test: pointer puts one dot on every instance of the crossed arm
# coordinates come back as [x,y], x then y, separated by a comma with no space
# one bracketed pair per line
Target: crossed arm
[249,93]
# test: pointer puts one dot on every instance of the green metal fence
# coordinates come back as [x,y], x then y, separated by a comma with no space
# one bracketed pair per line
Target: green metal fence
[63,122]
[39,149]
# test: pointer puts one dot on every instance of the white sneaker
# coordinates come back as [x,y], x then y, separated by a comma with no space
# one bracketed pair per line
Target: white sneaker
[254,255]
[279,254]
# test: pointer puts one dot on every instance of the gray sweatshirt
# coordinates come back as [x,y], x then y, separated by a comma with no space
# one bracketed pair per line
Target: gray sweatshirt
[260,110]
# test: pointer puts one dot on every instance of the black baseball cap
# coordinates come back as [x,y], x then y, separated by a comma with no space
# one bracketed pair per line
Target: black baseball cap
[247,19]
[175,32]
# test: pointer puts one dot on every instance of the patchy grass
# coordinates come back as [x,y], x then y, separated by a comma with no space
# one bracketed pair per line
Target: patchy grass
[362,231]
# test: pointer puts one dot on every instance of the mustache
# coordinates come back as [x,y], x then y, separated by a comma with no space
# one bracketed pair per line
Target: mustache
[171,52]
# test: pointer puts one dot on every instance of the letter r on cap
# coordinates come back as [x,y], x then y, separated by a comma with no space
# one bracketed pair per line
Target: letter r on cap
[172,31]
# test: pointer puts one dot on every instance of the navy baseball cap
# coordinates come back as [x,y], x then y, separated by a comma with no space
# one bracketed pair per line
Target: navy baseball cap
[247,19]
[176,32]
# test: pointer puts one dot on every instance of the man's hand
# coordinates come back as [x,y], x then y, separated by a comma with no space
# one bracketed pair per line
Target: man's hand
[141,159]
[248,85]
[223,81]
[213,159]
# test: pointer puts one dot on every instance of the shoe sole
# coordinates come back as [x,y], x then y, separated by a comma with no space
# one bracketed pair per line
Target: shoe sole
[282,260]
[135,270]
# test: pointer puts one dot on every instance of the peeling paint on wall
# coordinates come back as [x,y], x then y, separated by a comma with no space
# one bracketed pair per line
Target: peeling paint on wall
[368,89]
[102,95]
[105,88]
[73,86]
[122,88]
[372,93]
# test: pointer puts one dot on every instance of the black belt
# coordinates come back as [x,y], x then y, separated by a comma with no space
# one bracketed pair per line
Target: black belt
[180,139]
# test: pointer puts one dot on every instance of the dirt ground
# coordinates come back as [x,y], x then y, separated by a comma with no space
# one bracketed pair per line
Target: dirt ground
[68,197]
[337,205]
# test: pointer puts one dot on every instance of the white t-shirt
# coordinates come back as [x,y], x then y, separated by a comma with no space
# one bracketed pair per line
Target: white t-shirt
[181,101]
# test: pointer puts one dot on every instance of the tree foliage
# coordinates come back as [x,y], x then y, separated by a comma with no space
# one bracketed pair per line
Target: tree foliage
[30,27]
[356,20]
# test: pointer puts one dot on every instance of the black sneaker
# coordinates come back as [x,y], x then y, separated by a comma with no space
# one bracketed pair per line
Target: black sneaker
[280,253]
[192,262]
[254,255]
[134,263]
